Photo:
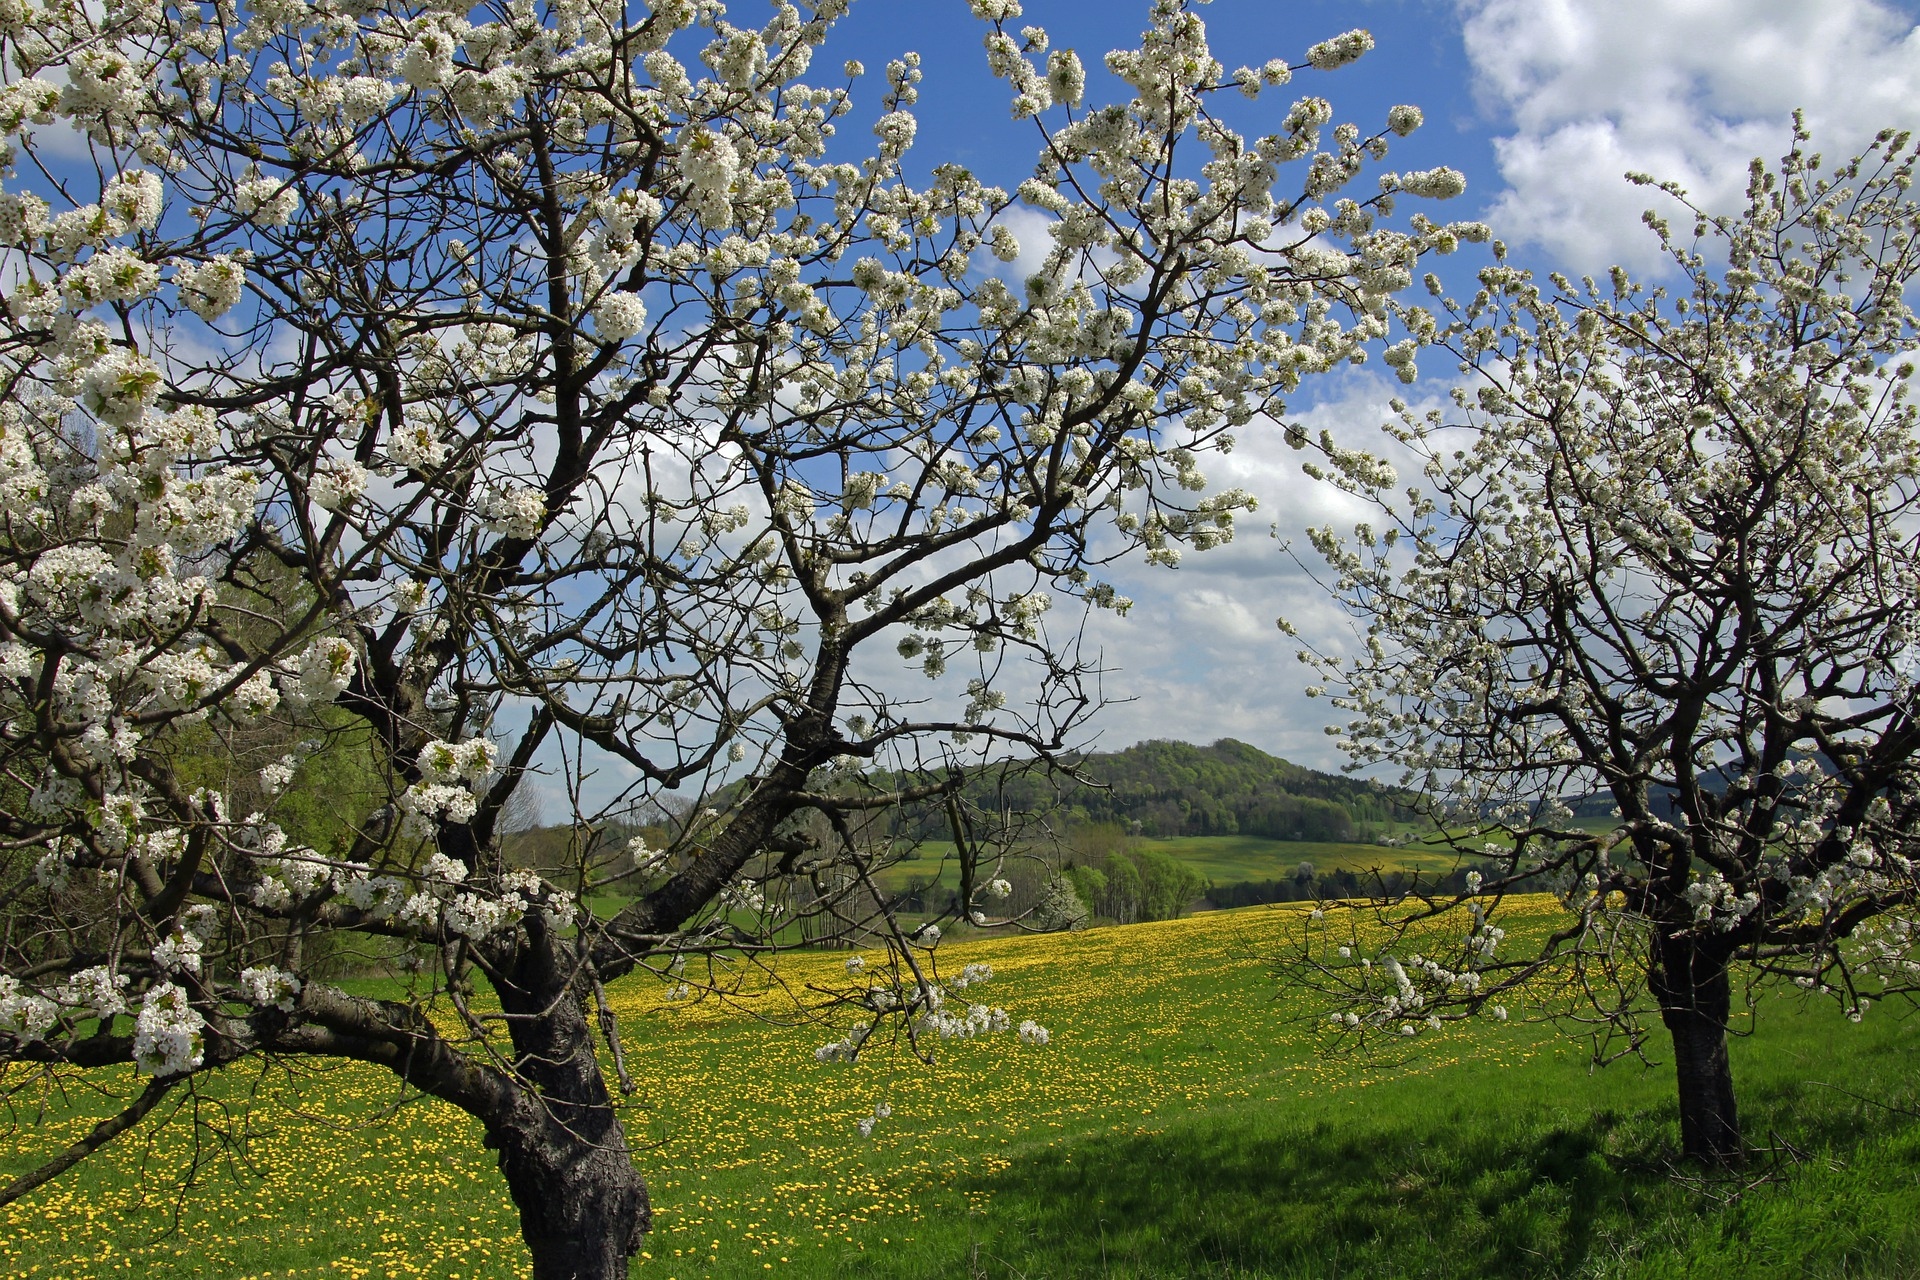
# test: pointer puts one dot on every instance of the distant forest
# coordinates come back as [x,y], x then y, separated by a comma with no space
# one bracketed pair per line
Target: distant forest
[1153,790]
[1161,789]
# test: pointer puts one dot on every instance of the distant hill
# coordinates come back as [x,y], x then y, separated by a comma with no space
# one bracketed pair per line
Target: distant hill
[1155,789]
[1163,788]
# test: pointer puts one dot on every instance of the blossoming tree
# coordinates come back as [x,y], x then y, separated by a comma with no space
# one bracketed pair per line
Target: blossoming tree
[1663,561]
[550,387]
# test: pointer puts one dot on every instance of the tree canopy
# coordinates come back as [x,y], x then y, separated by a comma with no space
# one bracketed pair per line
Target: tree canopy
[1166,788]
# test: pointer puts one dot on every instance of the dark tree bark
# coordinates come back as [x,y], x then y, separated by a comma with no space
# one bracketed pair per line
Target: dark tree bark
[1689,979]
[583,1207]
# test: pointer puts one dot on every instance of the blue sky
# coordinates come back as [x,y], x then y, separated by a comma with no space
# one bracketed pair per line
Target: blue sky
[963,115]
[1544,104]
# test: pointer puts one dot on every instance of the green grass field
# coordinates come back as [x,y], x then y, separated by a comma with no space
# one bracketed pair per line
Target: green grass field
[1221,859]
[1181,1123]
[1224,859]
[931,861]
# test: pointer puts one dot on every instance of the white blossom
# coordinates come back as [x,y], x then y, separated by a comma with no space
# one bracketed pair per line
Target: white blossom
[618,316]
[25,1015]
[267,202]
[1066,78]
[178,953]
[96,991]
[336,484]
[323,669]
[1436,184]
[1339,51]
[417,445]
[211,288]
[167,1033]
[269,987]
[517,511]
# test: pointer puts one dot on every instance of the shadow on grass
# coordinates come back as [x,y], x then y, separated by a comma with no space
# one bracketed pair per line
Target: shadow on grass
[1470,1188]
[1208,1199]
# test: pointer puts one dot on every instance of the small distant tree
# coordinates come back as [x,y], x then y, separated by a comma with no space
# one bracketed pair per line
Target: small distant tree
[553,388]
[1122,898]
[1662,559]
[1060,907]
[1168,885]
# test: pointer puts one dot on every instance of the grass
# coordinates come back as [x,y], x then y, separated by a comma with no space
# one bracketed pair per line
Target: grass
[1180,1124]
[1221,859]
[930,862]
[1225,859]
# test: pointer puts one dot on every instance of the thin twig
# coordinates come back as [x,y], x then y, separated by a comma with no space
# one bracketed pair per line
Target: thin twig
[610,1028]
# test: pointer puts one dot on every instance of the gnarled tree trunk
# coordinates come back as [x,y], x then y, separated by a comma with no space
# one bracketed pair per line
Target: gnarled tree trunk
[1689,979]
[583,1207]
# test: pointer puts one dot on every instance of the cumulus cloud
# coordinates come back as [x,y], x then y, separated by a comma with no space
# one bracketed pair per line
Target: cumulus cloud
[1032,230]
[1199,656]
[1688,90]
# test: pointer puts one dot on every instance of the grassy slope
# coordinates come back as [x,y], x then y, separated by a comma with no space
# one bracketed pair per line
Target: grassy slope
[1221,859]
[1224,859]
[1180,1124]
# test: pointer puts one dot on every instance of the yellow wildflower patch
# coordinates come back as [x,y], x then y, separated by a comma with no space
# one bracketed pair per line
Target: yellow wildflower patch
[750,1146]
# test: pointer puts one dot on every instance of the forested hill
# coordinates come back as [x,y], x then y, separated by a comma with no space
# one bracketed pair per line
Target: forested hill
[1229,788]
[1150,789]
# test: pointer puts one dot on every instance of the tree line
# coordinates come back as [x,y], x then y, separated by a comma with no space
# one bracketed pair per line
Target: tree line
[1164,788]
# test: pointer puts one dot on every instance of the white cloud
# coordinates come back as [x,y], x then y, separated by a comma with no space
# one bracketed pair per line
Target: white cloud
[1687,90]
[1199,656]
[1032,229]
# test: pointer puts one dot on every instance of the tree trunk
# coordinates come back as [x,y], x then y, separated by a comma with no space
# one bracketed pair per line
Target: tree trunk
[1689,979]
[583,1206]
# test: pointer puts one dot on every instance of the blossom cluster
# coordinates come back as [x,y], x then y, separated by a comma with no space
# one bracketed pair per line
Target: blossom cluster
[451,776]
[925,1008]
[168,1032]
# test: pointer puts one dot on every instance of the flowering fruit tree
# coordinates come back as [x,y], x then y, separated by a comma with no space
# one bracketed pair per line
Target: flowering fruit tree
[1663,572]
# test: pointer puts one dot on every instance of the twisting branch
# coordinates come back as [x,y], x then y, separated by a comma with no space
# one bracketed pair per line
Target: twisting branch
[100,1135]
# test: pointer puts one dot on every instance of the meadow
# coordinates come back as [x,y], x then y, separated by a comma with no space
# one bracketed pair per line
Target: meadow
[1221,859]
[1225,859]
[1182,1122]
